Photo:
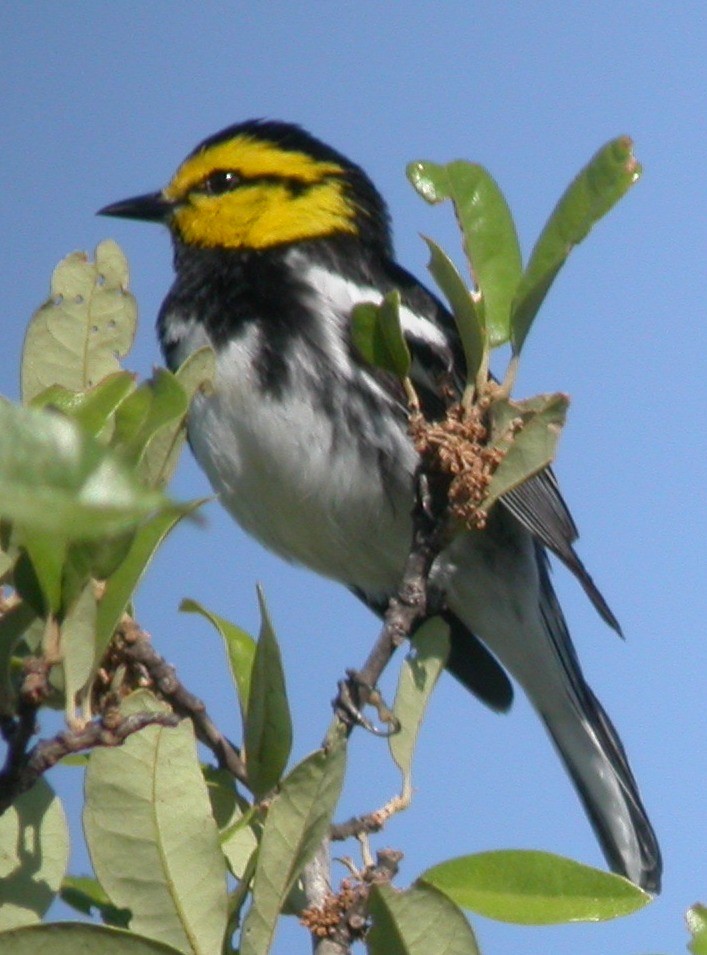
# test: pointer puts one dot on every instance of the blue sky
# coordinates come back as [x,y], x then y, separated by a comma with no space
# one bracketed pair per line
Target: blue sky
[101,101]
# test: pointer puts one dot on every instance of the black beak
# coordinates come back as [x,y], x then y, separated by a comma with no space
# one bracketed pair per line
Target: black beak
[152,207]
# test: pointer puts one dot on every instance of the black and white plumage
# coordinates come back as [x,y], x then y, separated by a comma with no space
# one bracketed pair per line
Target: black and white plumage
[308,449]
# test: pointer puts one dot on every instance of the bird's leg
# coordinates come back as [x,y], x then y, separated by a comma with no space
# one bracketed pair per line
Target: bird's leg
[406,608]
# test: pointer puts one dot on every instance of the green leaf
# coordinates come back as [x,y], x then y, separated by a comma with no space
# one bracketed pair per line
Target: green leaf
[239,843]
[86,895]
[378,336]
[418,677]
[467,315]
[596,189]
[79,938]
[120,586]
[419,921]
[13,624]
[152,838]
[78,630]
[6,563]
[78,336]
[297,821]
[98,558]
[268,726]
[92,409]
[532,449]
[696,918]
[233,818]
[196,374]
[27,587]
[240,647]
[490,238]
[157,404]
[47,552]
[34,853]
[534,888]
[223,795]
[56,480]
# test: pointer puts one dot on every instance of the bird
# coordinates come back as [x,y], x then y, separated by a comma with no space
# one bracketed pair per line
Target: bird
[277,237]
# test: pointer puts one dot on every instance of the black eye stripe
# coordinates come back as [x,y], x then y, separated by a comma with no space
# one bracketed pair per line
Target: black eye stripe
[221,181]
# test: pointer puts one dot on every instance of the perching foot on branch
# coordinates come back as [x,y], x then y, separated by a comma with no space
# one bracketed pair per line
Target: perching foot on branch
[356,693]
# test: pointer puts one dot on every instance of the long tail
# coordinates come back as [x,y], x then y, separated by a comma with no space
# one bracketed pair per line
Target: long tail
[596,761]
[505,596]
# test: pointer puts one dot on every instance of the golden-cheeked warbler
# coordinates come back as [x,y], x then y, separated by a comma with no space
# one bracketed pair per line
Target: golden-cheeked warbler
[276,238]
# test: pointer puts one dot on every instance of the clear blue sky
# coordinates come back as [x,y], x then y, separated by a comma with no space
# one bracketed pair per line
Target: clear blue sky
[100,101]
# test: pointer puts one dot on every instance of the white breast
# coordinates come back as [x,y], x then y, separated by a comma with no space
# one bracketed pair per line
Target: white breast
[303,489]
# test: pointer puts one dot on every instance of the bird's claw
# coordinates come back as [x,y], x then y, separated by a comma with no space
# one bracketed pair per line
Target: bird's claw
[355,693]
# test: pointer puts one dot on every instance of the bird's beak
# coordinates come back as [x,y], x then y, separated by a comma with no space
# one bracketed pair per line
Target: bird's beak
[152,207]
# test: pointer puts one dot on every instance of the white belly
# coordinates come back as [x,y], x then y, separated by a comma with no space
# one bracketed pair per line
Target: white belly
[314,496]
[303,490]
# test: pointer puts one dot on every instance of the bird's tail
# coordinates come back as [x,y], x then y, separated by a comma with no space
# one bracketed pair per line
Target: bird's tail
[595,759]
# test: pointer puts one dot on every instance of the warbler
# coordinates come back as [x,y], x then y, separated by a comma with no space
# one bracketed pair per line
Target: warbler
[276,238]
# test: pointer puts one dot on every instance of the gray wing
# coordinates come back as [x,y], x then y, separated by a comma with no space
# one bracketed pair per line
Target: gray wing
[539,506]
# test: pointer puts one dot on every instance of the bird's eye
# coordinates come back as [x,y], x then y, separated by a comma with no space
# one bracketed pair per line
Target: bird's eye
[220,181]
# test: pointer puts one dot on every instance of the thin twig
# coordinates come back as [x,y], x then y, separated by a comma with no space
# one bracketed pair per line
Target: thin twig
[134,645]
[370,822]
[23,769]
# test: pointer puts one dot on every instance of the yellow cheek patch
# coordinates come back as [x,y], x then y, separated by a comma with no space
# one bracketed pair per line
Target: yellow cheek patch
[251,158]
[261,215]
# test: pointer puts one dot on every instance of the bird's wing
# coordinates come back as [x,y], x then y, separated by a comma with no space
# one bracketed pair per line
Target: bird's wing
[537,503]
[540,507]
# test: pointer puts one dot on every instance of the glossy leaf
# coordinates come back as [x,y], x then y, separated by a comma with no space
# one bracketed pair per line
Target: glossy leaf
[120,586]
[534,888]
[152,838]
[79,335]
[468,315]
[419,921]
[595,190]
[378,336]
[298,819]
[418,677]
[56,480]
[532,449]
[34,853]
[79,938]
[93,408]
[158,403]
[490,238]
[240,647]
[196,374]
[268,726]
[696,917]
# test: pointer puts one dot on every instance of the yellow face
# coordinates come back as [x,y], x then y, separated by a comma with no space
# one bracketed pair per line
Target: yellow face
[250,193]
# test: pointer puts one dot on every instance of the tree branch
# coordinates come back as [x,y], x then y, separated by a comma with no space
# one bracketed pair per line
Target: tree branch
[409,605]
[134,645]
[23,769]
